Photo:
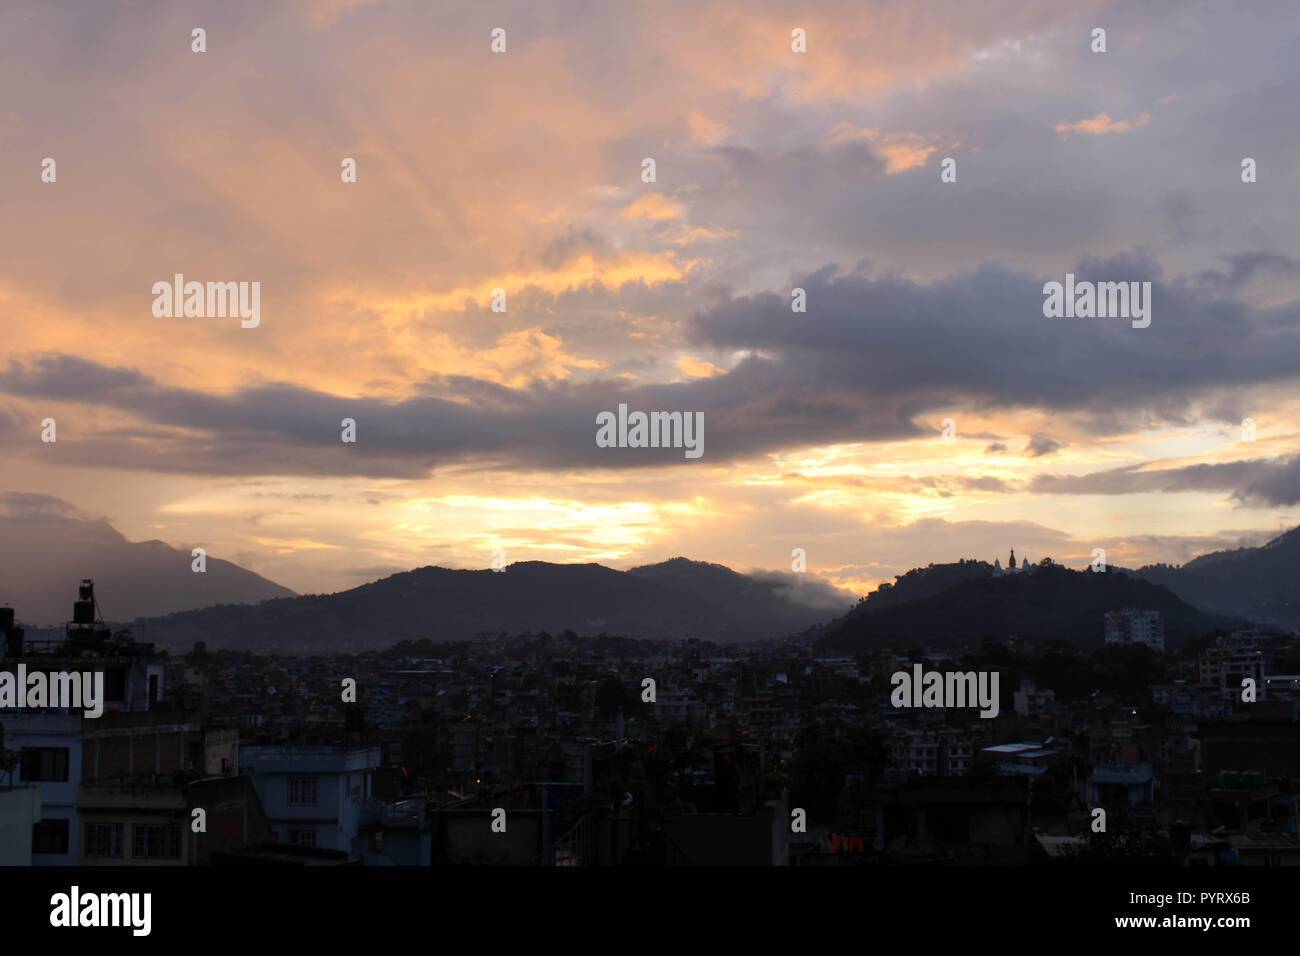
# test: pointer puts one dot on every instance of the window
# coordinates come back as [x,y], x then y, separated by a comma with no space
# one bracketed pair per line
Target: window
[156,841]
[50,836]
[45,763]
[302,791]
[115,684]
[302,837]
[104,840]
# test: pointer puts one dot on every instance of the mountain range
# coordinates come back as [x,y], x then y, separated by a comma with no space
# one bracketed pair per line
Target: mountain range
[151,585]
[1261,583]
[673,599]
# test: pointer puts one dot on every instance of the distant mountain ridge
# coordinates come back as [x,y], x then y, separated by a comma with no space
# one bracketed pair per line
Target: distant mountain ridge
[44,557]
[1262,583]
[674,599]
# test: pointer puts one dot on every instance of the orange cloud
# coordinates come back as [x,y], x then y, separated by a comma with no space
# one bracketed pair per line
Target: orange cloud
[704,131]
[653,206]
[1102,123]
[698,234]
[900,151]
[528,355]
[901,156]
[696,368]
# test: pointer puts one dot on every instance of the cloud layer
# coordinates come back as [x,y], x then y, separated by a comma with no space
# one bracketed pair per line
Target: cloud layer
[775,170]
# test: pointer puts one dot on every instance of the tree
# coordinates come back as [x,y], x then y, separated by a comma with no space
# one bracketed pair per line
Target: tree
[824,756]
[9,760]
[611,695]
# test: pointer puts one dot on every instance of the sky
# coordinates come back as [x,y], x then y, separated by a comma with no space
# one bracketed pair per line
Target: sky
[774,170]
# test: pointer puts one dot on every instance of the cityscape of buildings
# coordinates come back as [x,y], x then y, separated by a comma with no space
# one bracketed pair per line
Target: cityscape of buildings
[541,749]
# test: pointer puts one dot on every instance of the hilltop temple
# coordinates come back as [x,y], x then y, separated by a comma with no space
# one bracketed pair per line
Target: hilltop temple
[1011,568]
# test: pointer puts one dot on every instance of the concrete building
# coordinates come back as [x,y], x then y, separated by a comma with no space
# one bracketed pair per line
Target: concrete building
[145,825]
[1116,786]
[932,752]
[1241,651]
[1024,759]
[395,834]
[951,820]
[313,796]
[20,811]
[134,823]
[1030,701]
[678,707]
[50,746]
[51,741]
[1136,626]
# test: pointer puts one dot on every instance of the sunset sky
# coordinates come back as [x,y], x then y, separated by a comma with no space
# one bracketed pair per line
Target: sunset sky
[774,170]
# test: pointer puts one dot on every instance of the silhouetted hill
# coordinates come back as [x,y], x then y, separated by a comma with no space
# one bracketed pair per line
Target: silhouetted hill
[926,582]
[946,605]
[44,557]
[1261,583]
[674,600]
[749,594]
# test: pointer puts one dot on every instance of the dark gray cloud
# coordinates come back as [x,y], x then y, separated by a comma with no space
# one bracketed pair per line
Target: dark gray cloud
[1040,445]
[575,242]
[870,360]
[1268,482]
[985,483]
[980,337]
[1243,267]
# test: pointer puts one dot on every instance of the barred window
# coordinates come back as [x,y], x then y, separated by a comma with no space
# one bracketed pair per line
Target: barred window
[302,837]
[156,841]
[104,840]
[302,791]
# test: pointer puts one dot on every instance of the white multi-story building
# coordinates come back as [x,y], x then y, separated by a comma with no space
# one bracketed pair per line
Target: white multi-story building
[313,796]
[1136,626]
[50,740]
[50,745]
